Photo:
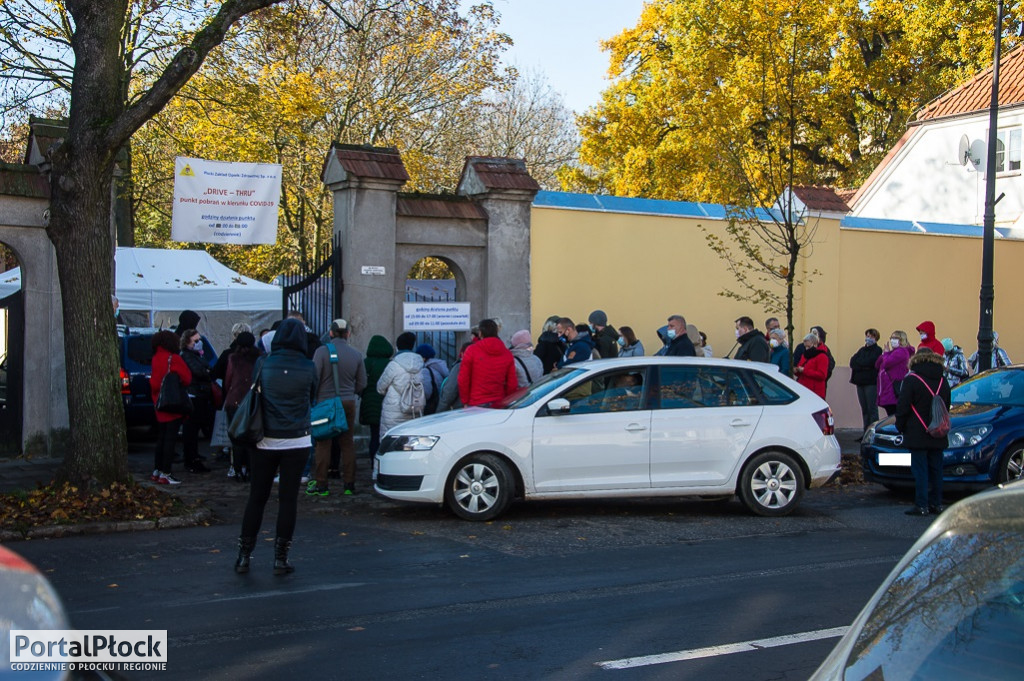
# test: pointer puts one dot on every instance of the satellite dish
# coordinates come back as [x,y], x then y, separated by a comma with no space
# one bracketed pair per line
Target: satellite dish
[964,153]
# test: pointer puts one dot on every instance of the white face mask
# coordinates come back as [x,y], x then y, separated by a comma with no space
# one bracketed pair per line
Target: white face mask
[894,342]
[869,341]
[738,334]
[198,347]
[774,343]
[924,336]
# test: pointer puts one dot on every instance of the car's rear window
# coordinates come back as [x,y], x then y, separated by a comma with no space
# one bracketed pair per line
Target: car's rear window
[140,350]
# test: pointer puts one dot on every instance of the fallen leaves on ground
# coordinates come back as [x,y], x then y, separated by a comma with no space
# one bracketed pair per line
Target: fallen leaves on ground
[66,504]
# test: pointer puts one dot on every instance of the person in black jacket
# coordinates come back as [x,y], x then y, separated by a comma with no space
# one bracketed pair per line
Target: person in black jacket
[864,375]
[912,415]
[549,347]
[201,391]
[753,345]
[679,344]
[289,382]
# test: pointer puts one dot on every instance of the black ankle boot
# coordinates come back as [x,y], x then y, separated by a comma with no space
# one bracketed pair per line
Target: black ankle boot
[245,547]
[281,564]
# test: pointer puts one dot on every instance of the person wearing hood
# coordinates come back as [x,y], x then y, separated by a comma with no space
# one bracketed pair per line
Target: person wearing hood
[312,340]
[954,363]
[579,347]
[201,392]
[605,337]
[928,339]
[528,366]
[999,356]
[378,355]
[812,370]
[288,384]
[488,370]
[433,374]
[549,348]
[924,381]
[679,344]
[629,345]
[754,346]
[400,375]
[864,375]
[186,320]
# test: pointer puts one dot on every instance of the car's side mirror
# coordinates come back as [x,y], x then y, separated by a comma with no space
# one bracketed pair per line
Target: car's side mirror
[559,405]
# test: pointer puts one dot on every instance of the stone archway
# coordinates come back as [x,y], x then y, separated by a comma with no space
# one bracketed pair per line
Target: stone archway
[483,233]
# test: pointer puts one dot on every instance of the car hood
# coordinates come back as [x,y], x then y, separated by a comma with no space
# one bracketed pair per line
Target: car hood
[460,419]
[963,414]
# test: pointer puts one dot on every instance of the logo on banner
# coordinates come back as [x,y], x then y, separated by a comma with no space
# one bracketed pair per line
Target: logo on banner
[187,171]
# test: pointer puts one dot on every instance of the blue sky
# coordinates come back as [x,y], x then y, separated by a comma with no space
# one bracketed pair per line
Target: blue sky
[560,38]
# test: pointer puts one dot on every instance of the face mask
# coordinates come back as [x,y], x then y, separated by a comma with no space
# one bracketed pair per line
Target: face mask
[774,343]
[738,334]
[671,333]
[563,338]
[592,329]
[894,342]
[869,341]
[622,341]
[198,347]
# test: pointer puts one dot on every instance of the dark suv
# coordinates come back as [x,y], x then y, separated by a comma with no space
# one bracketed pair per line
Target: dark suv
[136,352]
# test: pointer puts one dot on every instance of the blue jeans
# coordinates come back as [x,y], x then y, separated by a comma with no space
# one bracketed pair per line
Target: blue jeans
[926,465]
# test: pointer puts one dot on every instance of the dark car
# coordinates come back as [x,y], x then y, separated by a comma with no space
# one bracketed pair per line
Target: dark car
[952,608]
[986,439]
[136,353]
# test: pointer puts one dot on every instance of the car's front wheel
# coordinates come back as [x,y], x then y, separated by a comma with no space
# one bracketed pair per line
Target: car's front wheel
[771,484]
[1012,467]
[479,487]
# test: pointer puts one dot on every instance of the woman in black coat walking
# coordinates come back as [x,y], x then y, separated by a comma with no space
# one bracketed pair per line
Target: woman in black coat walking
[912,415]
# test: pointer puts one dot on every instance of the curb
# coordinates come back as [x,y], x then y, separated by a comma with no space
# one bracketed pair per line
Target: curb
[56,531]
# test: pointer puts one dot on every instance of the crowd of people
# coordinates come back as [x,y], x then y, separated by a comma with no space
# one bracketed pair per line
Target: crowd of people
[390,385]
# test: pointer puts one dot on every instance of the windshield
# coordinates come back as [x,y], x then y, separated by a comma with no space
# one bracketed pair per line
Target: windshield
[524,397]
[1005,387]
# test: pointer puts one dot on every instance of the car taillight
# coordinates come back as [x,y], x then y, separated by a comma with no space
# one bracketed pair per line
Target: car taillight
[825,421]
[126,384]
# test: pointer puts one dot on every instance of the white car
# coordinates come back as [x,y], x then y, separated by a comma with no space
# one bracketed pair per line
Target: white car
[637,427]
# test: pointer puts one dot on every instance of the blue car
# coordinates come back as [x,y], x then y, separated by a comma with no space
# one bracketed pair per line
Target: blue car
[136,353]
[986,439]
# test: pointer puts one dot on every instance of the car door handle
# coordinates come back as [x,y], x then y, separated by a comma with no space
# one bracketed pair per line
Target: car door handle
[736,423]
[635,426]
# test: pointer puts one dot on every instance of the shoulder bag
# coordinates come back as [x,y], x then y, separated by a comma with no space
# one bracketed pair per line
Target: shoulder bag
[247,425]
[328,418]
[173,397]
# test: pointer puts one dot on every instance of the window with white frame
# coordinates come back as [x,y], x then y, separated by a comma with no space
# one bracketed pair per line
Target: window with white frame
[1008,153]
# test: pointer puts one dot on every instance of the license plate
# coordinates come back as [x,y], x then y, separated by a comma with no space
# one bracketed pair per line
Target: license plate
[894,459]
[376,467]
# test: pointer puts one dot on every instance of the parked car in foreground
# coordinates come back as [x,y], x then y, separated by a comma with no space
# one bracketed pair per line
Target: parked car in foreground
[637,427]
[986,439]
[952,608]
[136,352]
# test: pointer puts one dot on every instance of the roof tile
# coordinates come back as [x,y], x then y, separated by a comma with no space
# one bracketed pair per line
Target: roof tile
[437,206]
[822,198]
[976,94]
[383,163]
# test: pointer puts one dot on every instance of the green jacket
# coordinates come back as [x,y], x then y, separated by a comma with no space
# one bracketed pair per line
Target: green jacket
[378,354]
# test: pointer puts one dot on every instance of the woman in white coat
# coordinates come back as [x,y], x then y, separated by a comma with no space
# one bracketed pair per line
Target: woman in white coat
[401,375]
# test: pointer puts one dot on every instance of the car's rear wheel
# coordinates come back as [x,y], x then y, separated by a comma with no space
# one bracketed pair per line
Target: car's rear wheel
[771,484]
[479,487]
[1012,466]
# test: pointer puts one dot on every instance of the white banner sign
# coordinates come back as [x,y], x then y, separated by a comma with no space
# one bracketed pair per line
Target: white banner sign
[218,202]
[436,317]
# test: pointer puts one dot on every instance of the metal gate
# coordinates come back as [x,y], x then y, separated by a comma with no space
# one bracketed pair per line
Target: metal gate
[12,374]
[317,293]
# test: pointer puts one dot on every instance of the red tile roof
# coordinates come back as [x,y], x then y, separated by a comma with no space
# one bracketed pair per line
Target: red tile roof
[976,94]
[435,206]
[823,198]
[383,163]
[502,173]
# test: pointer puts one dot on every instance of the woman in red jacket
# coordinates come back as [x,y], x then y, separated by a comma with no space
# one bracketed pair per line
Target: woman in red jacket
[166,358]
[812,370]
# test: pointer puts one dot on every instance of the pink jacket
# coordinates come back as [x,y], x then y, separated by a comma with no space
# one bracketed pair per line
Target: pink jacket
[892,367]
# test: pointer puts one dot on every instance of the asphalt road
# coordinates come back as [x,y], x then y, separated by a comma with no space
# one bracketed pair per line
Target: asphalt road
[549,591]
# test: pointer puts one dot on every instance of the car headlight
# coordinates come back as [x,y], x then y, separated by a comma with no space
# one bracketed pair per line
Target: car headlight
[869,435]
[968,437]
[413,443]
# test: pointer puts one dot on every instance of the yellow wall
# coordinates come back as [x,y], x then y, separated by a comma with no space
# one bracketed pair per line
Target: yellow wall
[642,268]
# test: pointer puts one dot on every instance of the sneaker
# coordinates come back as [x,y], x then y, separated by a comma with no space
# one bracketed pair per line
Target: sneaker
[304,480]
[168,479]
[350,489]
[311,484]
[231,471]
[197,467]
[917,510]
[315,490]
[155,477]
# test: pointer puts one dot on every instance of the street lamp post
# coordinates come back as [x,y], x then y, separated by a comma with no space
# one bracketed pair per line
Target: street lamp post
[988,237]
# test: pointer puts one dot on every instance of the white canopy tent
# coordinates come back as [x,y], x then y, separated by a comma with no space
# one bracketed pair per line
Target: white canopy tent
[154,285]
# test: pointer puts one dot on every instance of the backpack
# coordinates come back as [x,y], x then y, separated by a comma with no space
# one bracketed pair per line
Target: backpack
[411,400]
[938,424]
[435,396]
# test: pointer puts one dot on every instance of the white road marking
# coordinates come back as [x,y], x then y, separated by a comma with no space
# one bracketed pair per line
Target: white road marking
[727,649]
[242,597]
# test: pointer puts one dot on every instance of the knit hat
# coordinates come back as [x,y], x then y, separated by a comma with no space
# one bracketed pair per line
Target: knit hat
[245,340]
[521,338]
[426,351]
[188,320]
[598,318]
[947,343]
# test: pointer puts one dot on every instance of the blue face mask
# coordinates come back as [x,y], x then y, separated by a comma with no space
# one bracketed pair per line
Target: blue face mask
[198,347]
[622,341]
[671,333]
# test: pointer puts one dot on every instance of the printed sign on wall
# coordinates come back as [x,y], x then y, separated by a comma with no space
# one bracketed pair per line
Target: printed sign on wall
[436,317]
[219,202]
